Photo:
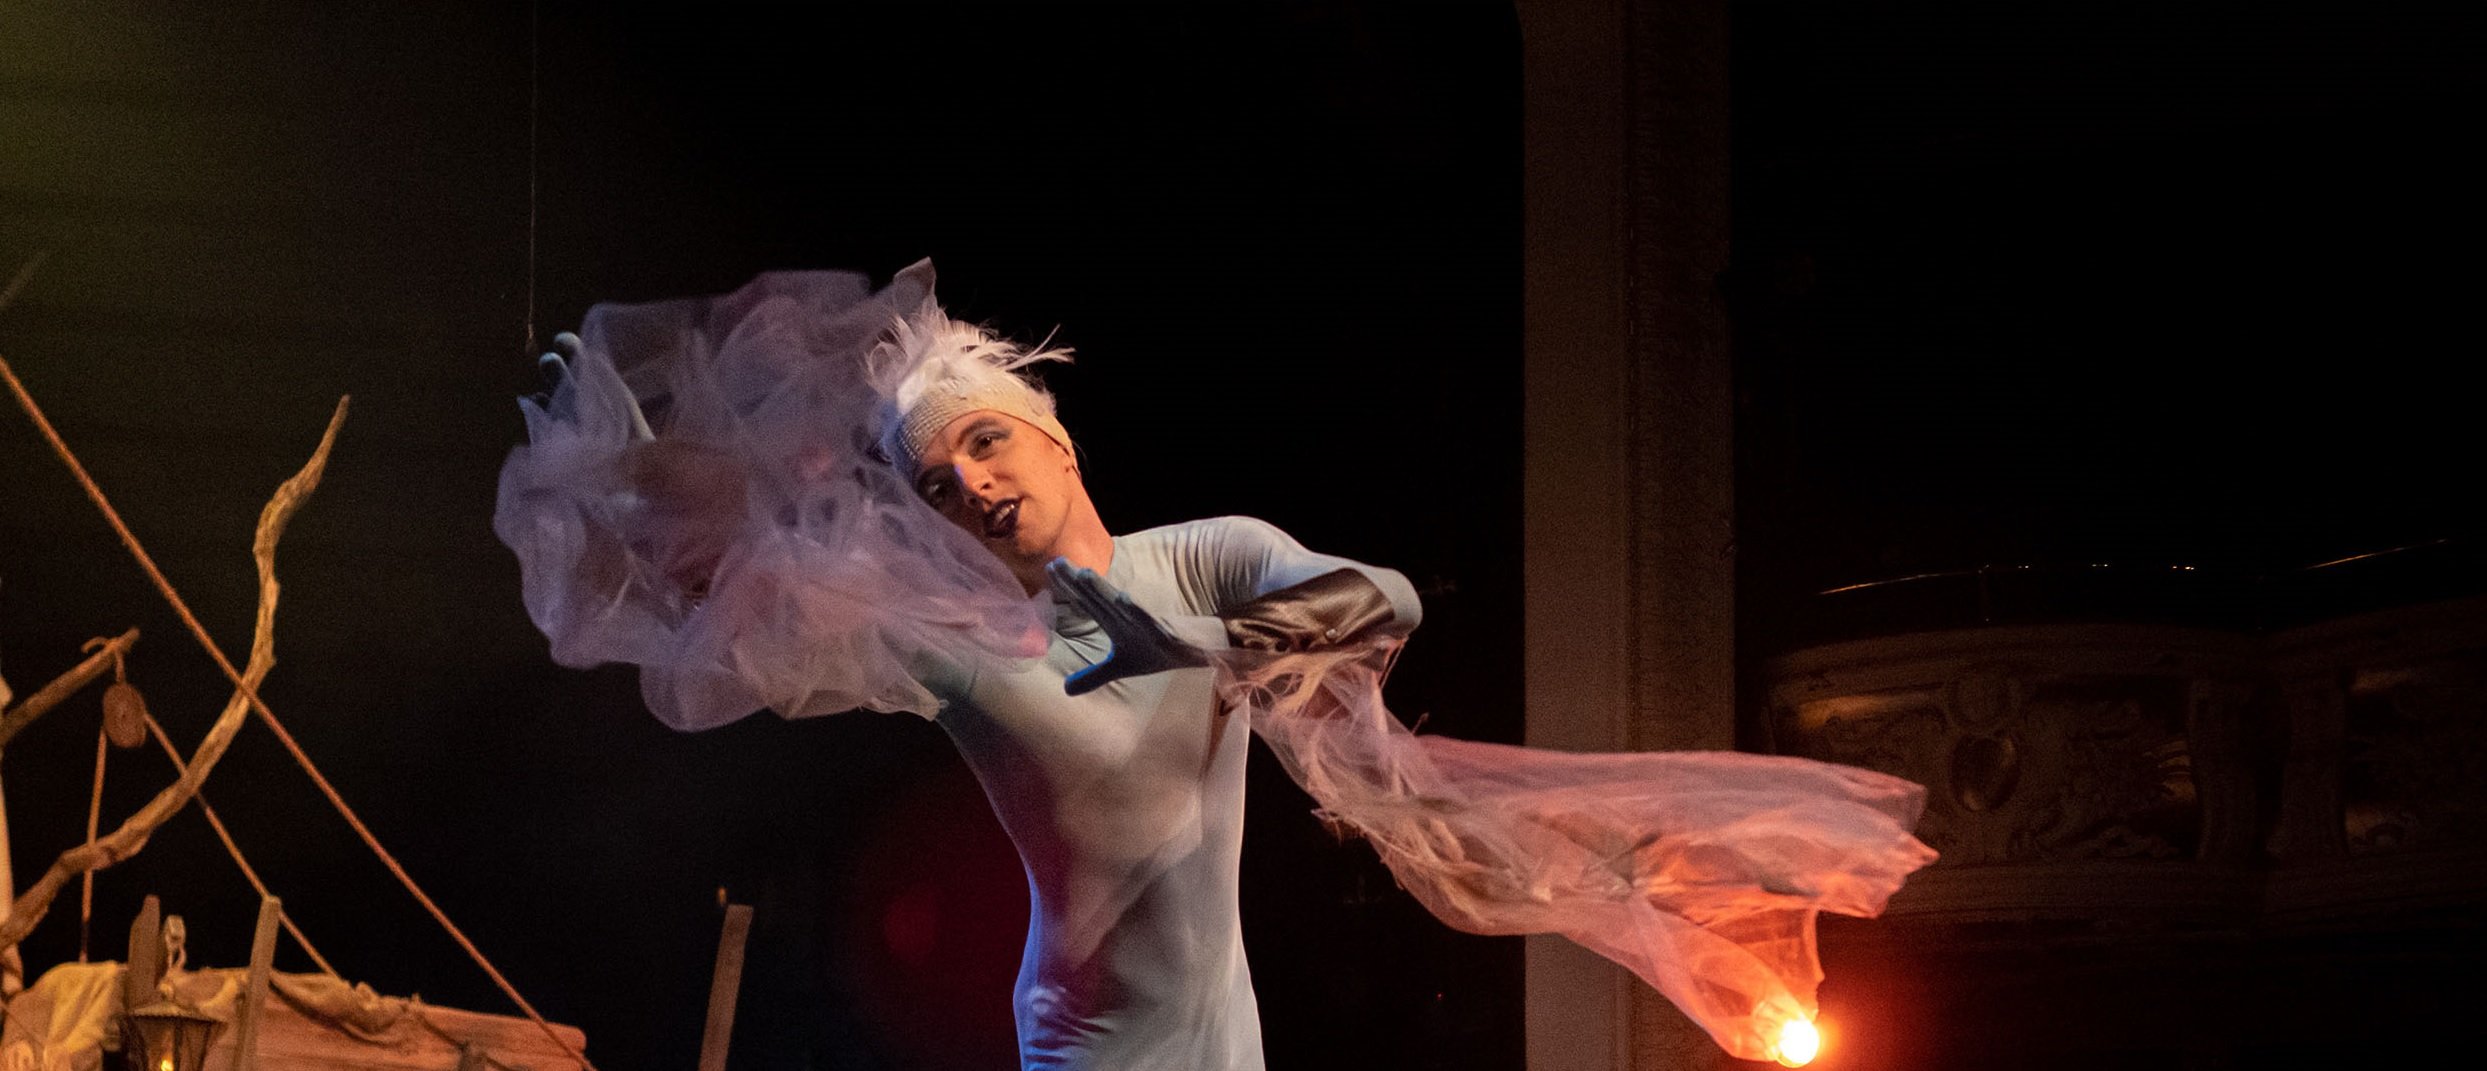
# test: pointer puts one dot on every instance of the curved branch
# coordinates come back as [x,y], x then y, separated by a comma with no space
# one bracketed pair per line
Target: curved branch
[65,685]
[132,835]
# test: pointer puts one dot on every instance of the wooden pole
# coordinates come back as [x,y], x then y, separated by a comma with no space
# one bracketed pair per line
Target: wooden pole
[255,985]
[724,987]
[8,877]
[94,819]
[146,960]
[12,966]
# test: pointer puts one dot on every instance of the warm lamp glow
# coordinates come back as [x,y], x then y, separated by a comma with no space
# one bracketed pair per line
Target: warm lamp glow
[165,1036]
[1798,1044]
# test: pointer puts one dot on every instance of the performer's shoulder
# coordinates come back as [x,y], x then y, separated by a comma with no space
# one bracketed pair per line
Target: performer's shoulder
[1227,530]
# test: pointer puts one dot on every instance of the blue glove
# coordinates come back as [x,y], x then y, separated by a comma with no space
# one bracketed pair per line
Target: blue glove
[1141,644]
[555,365]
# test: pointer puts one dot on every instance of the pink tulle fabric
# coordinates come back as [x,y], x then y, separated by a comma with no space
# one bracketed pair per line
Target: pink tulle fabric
[701,498]
[1701,872]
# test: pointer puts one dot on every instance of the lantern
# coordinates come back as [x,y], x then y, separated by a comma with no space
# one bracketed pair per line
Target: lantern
[165,1036]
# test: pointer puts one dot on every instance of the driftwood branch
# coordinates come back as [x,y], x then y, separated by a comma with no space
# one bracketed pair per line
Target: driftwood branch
[65,685]
[132,835]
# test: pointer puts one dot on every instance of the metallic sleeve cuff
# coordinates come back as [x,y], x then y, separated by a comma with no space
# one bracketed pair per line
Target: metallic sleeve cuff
[1329,610]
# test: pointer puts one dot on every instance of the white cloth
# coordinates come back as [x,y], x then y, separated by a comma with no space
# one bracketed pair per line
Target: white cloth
[755,554]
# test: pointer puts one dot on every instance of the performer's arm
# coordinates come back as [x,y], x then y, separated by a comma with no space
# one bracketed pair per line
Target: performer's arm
[1269,594]
[1272,594]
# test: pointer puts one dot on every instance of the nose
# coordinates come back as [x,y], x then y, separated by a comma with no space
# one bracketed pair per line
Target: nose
[975,480]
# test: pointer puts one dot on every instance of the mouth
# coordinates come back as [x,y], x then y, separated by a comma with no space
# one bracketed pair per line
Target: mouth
[1002,521]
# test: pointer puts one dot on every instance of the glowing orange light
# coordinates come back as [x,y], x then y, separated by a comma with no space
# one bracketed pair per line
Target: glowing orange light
[165,1064]
[1799,1042]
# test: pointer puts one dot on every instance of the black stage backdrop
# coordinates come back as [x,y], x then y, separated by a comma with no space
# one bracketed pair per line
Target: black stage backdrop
[2054,284]
[2067,285]
[1282,238]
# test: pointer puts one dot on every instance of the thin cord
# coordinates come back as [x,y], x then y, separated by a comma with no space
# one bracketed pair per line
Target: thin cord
[267,717]
[535,62]
[181,768]
[94,811]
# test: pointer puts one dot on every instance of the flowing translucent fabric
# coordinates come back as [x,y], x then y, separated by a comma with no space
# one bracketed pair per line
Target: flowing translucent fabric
[701,498]
[1700,871]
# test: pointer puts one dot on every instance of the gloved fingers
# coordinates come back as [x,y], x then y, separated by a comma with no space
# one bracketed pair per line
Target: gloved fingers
[1140,642]
[1063,577]
[554,364]
[1091,678]
[1125,621]
[1088,592]
[1084,588]
[1062,573]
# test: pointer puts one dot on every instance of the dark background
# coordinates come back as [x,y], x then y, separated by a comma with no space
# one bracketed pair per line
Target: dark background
[2071,286]
[1282,238]
[2042,284]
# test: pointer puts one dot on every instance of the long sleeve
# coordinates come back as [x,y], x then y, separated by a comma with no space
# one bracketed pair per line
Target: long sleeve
[1230,562]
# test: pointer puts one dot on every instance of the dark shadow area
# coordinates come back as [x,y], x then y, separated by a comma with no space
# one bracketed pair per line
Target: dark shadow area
[2058,285]
[1283,239]
[2105,461]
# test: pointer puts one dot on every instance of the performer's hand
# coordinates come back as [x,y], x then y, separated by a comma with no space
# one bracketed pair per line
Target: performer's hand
[555,365]
[1141,644]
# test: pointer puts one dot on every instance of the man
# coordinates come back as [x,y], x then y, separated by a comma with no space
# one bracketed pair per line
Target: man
[1109,760]
[767,542]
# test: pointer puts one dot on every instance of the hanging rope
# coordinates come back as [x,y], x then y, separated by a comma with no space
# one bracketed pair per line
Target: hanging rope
[535,61]
[156,729]
[181,609]
[94,814]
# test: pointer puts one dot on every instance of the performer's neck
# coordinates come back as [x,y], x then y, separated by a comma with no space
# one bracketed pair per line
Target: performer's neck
[1084,541]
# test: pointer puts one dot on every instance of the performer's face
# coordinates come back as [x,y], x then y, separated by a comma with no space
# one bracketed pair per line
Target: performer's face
[1004,481]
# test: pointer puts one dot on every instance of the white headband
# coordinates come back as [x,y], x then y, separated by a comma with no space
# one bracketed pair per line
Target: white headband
[933,370]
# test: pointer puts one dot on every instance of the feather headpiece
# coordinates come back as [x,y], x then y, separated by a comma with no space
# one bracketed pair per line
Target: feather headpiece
[931,370]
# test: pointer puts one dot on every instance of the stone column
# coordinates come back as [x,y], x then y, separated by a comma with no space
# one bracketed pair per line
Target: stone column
[1629,482]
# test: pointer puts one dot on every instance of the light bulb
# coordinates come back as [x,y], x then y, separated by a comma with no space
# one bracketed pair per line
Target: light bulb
[1798,1044]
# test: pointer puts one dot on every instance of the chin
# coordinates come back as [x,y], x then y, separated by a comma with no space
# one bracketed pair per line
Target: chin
[1024,545]
[1016,555]
[1033,555]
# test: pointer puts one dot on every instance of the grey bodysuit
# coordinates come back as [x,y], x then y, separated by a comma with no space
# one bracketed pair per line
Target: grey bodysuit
[1126,805]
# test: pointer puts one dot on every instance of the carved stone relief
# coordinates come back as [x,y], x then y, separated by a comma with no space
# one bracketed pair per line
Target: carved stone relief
[2387,754]
[2021,763]
[2414,755]
[2316,773]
